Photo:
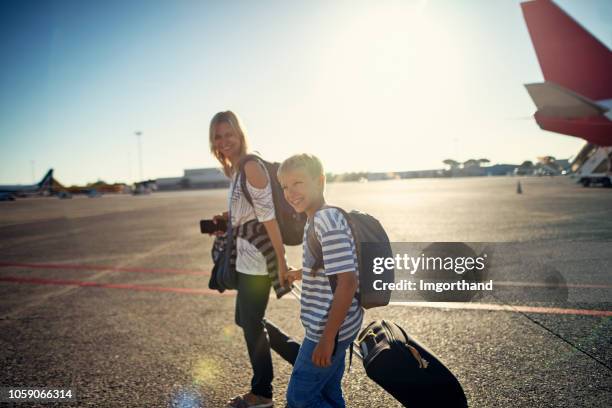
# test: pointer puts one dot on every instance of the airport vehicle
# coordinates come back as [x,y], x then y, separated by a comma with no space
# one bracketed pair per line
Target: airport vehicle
[593,165]
[576,96]
[64,195]
[93,193]
[43,187]
[7,197]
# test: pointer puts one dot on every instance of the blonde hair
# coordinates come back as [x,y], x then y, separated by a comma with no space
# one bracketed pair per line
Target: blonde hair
[233,120]
[309,162]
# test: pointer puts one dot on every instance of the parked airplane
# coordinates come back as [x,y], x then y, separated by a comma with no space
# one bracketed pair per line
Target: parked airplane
[18,190]
[576,97]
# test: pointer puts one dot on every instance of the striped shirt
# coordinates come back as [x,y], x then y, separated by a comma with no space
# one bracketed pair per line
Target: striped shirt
[339,256]
[249,259]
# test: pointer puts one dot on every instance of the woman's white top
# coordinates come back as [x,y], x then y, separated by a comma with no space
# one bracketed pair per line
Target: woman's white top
[248,258]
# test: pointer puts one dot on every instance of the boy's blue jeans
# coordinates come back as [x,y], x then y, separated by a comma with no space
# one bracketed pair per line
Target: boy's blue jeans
[315,387]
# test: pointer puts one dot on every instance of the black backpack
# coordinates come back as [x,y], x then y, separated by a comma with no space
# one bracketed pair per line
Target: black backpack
[371,241]
[290,222]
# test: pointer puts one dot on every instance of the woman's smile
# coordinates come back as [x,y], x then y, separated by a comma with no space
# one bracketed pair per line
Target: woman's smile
[226,140]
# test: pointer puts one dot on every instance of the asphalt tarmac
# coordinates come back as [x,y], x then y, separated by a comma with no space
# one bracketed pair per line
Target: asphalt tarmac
[109,296]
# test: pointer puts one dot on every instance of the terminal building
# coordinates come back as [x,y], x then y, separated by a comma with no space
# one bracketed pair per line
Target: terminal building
[194,179]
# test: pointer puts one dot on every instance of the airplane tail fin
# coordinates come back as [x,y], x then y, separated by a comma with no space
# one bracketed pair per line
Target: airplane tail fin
[569,55]
[47,180]
[555,101]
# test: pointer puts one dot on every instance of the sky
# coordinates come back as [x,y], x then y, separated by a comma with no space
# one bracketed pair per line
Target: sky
[365,85]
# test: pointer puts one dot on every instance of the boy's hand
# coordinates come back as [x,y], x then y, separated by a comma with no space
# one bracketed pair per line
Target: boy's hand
[293,275]
[322,354]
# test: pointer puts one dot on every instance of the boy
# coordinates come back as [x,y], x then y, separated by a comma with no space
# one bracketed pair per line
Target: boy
[331,319]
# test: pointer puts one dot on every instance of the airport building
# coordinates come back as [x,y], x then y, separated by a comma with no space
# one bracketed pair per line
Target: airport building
[194,179]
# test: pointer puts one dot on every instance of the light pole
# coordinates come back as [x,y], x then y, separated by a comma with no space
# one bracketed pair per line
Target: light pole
[32,171]
[129,161]
[138,138]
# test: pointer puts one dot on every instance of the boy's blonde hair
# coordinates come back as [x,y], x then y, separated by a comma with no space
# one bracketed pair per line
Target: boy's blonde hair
[309,162]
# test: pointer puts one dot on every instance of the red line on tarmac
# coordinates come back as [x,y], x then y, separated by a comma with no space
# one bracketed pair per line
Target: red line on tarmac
[148,288]
[205,273]
[507,308]
[103,268]
[174,271]
[436,305]
[552,285]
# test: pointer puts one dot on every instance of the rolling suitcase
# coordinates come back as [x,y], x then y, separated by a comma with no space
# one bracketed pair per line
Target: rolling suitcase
[407,370]
[402,366]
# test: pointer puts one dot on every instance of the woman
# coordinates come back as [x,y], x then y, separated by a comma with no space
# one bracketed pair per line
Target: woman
[229,145]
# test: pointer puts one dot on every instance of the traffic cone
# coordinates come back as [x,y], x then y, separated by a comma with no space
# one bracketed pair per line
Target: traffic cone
[519,189]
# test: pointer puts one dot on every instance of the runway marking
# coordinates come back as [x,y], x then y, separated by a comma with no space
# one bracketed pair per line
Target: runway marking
[203,291]
[104,268]
[175,271]
[147,288]
[552,285]
[506,308]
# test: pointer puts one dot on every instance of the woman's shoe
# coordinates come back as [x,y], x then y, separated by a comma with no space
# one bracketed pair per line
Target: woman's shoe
[250,400]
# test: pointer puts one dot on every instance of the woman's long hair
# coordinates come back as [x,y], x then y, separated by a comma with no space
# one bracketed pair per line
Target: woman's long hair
[231,119]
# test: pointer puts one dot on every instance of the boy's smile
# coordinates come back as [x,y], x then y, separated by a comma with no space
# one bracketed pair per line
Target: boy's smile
[302,191]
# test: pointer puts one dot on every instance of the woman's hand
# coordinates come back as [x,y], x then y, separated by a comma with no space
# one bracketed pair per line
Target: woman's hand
[283,274]
[224,217]
[293,275]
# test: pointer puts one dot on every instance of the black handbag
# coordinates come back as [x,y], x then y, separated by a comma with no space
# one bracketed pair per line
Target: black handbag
[223,275]
[218,279]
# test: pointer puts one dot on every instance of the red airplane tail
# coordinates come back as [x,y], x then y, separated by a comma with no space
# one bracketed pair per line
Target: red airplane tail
[568,54]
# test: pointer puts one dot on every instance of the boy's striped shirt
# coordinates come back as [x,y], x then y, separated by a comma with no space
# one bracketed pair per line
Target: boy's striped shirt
[339,256]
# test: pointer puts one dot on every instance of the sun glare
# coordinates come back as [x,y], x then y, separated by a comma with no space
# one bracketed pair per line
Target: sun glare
[393,60]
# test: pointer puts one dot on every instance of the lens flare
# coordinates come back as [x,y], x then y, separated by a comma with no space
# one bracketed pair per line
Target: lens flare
[186,398]
[229,332]
[205,371]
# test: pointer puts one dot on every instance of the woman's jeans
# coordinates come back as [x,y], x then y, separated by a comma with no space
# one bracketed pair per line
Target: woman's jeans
[315,387]
[251,303]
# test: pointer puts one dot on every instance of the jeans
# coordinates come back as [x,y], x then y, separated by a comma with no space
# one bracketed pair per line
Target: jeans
[251,303]
[315,387]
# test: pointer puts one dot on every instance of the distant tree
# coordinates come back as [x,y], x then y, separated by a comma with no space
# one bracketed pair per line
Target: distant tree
[353,176]
[471,163]
[546,159]
[451,163]
[98,183]
[483,161]
[527,164]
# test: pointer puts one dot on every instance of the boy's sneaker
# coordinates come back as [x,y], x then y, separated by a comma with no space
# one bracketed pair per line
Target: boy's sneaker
[250,400]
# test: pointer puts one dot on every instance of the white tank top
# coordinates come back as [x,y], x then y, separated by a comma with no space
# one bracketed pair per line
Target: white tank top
[249,260]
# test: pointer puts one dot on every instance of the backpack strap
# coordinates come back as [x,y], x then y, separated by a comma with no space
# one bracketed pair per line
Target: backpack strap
[314,245]
[243,179]
[317,251]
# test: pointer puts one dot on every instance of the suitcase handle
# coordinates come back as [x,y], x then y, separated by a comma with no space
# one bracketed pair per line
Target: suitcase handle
[415,353]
